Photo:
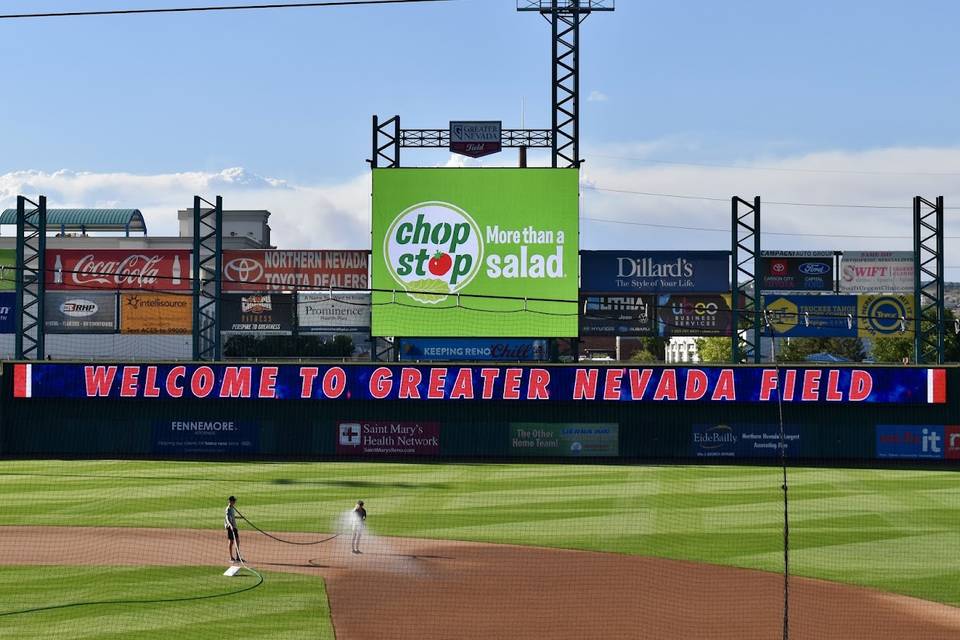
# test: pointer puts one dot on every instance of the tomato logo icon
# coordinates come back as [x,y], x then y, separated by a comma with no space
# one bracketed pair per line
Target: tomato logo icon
[440,263]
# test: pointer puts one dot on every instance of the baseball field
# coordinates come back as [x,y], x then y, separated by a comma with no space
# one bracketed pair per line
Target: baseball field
[111,549]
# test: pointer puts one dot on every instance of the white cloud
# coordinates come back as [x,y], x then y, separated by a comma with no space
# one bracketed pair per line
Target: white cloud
[597,96]
[337,215]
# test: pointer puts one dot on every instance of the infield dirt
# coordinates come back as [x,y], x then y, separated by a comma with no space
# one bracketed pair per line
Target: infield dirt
[403,588]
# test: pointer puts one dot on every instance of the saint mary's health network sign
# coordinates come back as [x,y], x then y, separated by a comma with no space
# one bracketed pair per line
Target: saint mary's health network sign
[502,383]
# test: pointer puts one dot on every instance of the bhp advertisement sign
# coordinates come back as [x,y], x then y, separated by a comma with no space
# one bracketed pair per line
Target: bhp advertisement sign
[379,438]
[654,271]
[154,313]
[507,236]
[257,270]
[149,269]
[520,383]
[80,312]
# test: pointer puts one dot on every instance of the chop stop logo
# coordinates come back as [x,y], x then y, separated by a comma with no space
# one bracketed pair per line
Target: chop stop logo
[432,250]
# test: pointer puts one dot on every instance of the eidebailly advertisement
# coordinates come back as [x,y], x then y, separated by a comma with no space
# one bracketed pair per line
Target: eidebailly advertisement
[475,252]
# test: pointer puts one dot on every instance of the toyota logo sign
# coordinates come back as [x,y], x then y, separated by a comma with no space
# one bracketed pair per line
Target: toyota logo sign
[243,270]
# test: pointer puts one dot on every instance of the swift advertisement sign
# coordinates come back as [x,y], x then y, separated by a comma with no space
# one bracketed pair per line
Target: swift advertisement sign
[877,272]
[654,271]
[796,271]
[272,270]
[500,383]
[118,269]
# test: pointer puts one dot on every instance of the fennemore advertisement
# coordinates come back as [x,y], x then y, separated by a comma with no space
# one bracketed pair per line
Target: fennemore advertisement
[443,239]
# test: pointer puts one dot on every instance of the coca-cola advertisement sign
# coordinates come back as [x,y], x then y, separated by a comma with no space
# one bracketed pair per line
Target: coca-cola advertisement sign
[126,269]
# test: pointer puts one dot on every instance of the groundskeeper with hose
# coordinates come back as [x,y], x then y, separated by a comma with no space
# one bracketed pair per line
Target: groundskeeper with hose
[230,524]
[359,520]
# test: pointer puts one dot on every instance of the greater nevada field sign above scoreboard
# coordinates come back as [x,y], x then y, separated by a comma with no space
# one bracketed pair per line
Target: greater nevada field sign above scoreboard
[443,239]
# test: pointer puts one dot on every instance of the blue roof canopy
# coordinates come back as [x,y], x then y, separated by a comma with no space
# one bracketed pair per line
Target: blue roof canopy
[84,220]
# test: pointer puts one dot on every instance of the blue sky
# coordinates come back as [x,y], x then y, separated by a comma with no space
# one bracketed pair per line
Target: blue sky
[288,94]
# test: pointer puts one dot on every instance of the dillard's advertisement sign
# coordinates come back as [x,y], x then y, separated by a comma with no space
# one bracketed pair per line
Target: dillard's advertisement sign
[145,269]
[655,271]
[272,270]
[475,138]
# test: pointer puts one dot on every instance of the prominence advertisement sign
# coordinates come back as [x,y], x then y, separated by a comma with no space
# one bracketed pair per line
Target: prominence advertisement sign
[332,312]
[796,271]
[877,272]
[273,270]
[156,313]
[80,312]
[654,271]
[500,383]
[452,247]
[118,269]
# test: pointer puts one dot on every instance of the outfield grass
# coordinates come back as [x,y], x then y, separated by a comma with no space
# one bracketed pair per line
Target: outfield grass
[895,530]
[283,606]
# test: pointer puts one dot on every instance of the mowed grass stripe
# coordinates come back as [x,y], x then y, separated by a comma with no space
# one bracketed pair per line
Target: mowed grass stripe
[890,529]
[284,606]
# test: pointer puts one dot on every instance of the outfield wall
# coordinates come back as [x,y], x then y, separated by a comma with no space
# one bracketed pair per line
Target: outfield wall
[324,411]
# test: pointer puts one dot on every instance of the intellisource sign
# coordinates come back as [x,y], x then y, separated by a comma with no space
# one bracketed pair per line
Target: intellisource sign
[567,440]
[363,438]
[270,313]
[118,269]
[695,315]
[452,247]
[332,312]
[156,313]
[617,315]
[796,271]
[475,138]
[519,383]
[877,271]
[80,312]
[473,349]
[273,270]
[654,271]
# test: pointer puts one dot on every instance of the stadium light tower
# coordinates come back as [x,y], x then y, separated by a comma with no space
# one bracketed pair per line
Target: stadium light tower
[565,17]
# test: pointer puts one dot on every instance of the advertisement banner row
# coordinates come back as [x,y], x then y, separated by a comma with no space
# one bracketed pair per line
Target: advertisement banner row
[170,269]
[841,316]
[169,313]
[649,315]
[521,383]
